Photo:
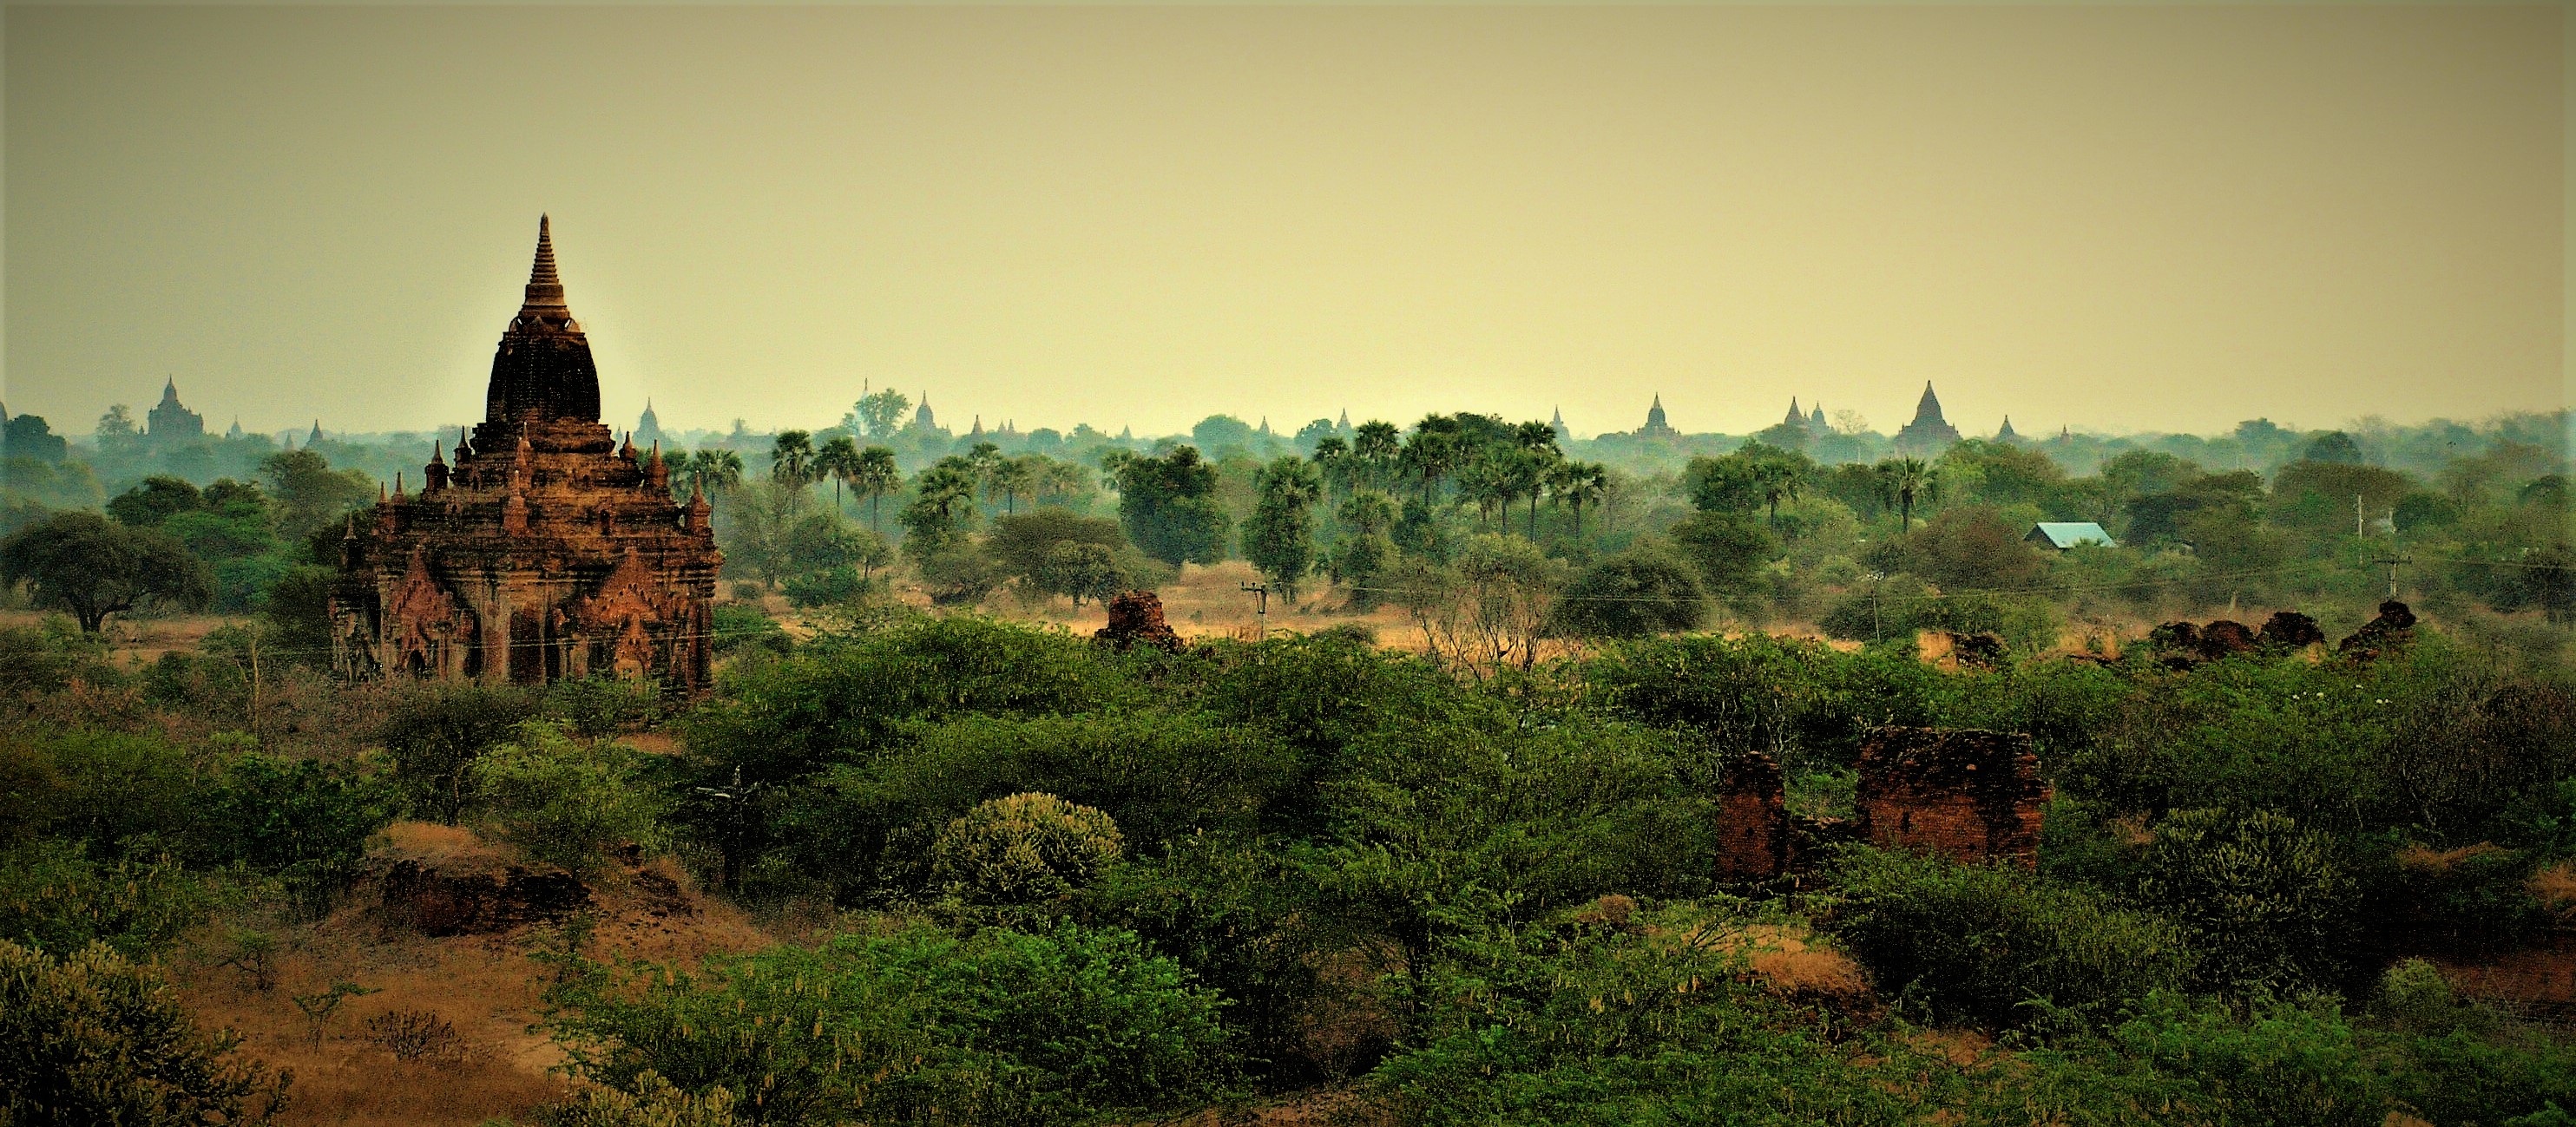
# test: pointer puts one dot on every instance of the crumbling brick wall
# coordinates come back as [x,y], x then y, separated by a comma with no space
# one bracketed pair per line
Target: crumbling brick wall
[1968,793]
[1752,820]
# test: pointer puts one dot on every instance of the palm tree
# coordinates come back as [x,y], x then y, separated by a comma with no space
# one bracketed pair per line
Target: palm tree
[1377,444]
[1577,484]
[715,468]
[791,462]
[1010,477]
[1775,478]
[1430,455]
[838,460]
[1904,479]
[875,476]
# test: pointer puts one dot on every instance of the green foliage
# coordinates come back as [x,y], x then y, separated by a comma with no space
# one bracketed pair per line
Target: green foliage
[1079,571]
[741,627]
[2270,905]
[54,897]
[305,820]
[92,567]
[1021,850]
[1026,542]
[1995,945]
[1965,547]
[91,1037]
[1158,776]
[1070,1026]
[311,496]
[601,705]
[435,729]
[1632,595]
[157,499]
[649,1101]
[1280,538]
[1729,548]
[567,801]
[1169,508]
[50,655]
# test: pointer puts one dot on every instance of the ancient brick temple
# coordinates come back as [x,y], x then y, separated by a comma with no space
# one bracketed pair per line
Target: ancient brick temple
[1973,795]
[546,550]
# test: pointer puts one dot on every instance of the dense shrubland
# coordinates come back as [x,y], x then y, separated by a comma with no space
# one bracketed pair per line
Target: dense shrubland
[1079,885]
[1469,884]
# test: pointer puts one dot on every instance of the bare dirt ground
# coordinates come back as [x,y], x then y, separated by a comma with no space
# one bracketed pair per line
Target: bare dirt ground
[483,986]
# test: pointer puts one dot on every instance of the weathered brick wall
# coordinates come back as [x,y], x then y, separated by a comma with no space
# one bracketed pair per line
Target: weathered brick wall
[1964,792]
[1752,820]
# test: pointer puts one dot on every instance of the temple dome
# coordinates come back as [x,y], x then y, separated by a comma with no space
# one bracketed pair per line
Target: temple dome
[543,368]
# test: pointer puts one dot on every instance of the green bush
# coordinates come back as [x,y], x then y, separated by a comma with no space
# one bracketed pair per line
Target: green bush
[1632,595]
[1071,1026]
[1987,943]
[651,1102]
[435,729]
[742,627]
[2270,906]
[92,1038]
[1024,849]
[55,898]
[304,820]
[598,706]
[566,801]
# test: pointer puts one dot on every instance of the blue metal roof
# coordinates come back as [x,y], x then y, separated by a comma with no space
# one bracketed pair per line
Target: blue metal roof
[2064,534]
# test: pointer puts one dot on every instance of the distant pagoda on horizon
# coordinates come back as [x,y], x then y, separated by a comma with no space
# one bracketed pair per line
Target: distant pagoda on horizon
[546,551]
[1929,433]
[1655,426]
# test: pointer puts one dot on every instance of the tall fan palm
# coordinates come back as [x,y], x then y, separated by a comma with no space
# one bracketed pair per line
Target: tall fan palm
[715,468]
[1377,444]
[1577,484]
[838,459]
[876,476]
[791,461]
[1904,479]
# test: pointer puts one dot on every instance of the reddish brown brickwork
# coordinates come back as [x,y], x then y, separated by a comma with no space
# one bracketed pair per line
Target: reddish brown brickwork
[1136,619]
[1752,820]
[1964,792]
[2394,627]
[546,550]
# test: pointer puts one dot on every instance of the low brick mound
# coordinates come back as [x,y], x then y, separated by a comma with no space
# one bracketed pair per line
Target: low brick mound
[1136,619]
[437,902]
[1971,794]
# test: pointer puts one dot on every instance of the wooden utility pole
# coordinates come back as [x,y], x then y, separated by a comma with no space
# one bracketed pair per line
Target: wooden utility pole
[1260,609]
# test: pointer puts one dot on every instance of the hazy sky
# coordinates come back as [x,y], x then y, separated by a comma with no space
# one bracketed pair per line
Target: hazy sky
[2123,218]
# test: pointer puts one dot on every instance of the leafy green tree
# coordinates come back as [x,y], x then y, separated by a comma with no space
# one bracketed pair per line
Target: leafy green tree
[1729,548]
[709,471]
[882,412]
[1377,445]
[1280,539]
[310,494]
[2270,904]
[567,801]
[1366,552]
[1989,943]
[837,459]
[1968,546]
[1079,571]
[1012,477]
[943,502]
[303,819]
[436,729]
[93,567]
[55,897]
[159,498]
[1168,506]
[92,1037]
[1025,542]
[1577,484]
[1634,594]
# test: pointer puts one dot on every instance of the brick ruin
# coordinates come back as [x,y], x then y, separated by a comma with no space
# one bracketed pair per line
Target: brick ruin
[546,551]
[1136,618]
[1753,821]
[2180,645]
[1970,794]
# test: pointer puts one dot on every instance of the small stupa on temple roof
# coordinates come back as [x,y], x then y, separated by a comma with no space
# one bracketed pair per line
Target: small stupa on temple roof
[545,549]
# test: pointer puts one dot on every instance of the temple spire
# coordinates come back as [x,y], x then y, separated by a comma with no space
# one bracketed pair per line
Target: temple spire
[545,287]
